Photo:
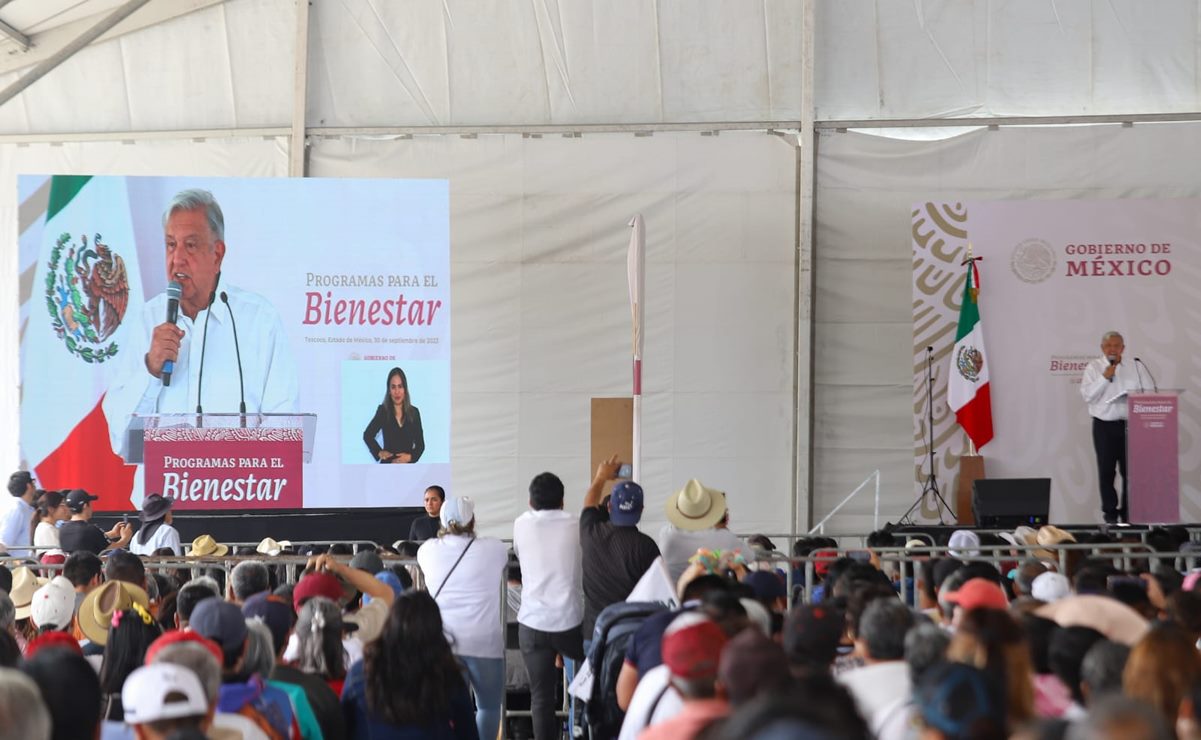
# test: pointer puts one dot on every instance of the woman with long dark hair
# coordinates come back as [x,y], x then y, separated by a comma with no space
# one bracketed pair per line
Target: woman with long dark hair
[129,636]
[408,683]
[399,420]
[49,508]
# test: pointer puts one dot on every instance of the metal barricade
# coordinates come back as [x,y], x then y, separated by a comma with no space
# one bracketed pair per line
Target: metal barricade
[906,558]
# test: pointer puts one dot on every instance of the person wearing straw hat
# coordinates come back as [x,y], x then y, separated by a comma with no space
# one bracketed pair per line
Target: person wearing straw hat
[156,530]
[205,546]
[697,519]
[25,584]
[97,608]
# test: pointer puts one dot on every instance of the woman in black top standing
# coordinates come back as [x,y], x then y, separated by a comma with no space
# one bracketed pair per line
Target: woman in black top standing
[400,422]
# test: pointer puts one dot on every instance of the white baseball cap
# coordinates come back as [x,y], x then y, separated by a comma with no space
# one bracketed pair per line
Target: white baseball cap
[964,543]
[162,691]
[457,510]
[53,605]
[1050,587]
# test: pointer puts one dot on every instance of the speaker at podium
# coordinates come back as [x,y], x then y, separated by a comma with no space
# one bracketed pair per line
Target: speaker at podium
[1005,503]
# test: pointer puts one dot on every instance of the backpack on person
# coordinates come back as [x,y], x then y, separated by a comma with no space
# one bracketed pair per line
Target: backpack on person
[615,626]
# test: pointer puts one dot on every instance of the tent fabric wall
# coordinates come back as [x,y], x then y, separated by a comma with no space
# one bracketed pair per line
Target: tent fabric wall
[488,62]
[950,58]
[867,185]
[541,314]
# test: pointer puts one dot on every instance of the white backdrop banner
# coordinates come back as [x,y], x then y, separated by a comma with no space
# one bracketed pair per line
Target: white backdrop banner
[1056,275]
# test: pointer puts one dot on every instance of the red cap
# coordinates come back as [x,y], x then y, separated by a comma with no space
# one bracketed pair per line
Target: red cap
[692,646]
[52,639]
[54,558]
[317,584]
[174,637]
[823,559]
[979,593]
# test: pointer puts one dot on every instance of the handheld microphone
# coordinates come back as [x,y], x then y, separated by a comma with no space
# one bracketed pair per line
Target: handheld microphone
[203,345]
[174,290]
[238,354]
[1113,360]
[1154,385]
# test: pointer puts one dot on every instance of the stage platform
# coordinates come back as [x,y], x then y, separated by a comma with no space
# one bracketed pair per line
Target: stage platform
[383,526]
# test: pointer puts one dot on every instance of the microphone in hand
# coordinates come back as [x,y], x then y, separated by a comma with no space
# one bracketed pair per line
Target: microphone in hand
[174,291]
[1113,362]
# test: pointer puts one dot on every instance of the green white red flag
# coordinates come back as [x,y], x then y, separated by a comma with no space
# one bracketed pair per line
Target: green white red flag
[968,390]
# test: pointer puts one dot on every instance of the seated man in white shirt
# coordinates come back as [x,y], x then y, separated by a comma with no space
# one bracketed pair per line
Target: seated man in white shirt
[697,518]
[881,687]
[547,542]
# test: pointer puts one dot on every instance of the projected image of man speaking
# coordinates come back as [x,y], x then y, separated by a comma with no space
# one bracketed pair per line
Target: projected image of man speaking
[201,324]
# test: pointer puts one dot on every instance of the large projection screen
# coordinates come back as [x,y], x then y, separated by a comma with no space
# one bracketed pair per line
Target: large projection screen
[337,283]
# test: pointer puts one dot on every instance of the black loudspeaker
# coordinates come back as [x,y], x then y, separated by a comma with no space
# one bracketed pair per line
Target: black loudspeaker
[1005,503]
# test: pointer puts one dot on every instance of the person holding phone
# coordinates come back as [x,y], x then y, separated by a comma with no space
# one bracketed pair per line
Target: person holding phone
[615,554]
[80,534]
[400,422]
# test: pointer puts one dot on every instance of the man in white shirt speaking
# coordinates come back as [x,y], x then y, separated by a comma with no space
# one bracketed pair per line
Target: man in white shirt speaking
[163,373]
[547,542]
[1106,381]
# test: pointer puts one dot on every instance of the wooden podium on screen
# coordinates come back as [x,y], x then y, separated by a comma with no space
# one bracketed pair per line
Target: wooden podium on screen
[224,461]
[1152,462]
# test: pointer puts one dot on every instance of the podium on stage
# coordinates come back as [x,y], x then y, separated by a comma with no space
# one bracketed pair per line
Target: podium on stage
[223,461]
[1152,462]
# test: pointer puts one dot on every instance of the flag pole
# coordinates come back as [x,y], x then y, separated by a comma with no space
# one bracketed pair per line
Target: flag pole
[971,261]
[636,271]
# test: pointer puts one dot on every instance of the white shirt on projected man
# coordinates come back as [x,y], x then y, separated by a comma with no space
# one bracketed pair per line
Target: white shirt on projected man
[269,369]
[1106,400]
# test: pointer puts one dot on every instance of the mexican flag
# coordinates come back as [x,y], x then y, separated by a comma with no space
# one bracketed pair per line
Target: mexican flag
[967,391]
[86,277]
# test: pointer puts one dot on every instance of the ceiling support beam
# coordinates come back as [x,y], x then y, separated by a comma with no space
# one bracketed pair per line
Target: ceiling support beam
[48,65]
[300,83]
[13,33]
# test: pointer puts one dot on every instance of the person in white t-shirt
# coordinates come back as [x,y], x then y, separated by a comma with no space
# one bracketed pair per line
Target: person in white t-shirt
[697,519]
[50,508]
[547,542]
[156,531]
[466,575]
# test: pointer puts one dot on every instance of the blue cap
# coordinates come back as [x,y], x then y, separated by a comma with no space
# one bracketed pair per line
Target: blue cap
[625,504]
[956,698]
[221,622]
[389,579]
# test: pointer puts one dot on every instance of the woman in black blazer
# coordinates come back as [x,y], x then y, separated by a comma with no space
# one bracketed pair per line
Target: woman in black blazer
[400,421]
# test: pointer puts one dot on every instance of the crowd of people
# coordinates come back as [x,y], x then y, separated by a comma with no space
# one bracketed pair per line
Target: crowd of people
[685,635]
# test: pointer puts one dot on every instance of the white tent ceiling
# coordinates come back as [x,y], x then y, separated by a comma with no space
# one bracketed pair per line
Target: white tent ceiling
[214,64]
